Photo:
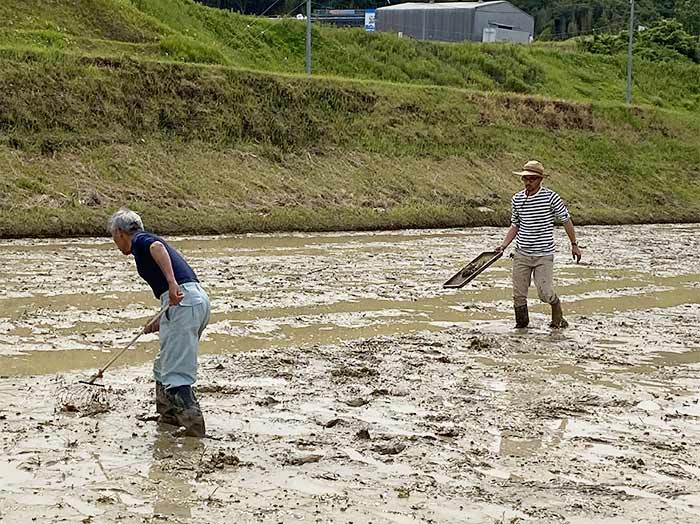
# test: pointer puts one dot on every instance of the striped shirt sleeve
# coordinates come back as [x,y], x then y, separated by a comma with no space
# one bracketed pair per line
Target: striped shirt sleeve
[514,215]
[559,208]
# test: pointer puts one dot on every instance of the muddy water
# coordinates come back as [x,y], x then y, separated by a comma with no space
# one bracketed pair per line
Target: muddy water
[65,304]
[466,420]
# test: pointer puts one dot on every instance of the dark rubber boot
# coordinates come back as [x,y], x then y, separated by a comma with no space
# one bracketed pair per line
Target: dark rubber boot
[187,410]
[558,320]
[522,318]
[163,406]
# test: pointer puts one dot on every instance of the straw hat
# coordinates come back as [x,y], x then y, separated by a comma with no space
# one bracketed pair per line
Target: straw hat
[532,168]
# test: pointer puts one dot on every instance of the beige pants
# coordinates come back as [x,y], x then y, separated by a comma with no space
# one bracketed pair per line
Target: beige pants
[526,267]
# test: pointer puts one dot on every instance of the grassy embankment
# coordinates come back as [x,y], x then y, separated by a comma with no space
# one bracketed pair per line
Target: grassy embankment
[135,103]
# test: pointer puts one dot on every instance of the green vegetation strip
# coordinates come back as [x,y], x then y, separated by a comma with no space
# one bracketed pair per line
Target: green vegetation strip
[206,148]
[148,104]
[182,30]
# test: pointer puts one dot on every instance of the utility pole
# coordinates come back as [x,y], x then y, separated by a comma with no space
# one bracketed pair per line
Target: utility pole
[628,96]
[308,37]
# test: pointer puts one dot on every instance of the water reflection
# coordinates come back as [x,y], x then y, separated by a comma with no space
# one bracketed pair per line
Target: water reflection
[175,461]
[296,289]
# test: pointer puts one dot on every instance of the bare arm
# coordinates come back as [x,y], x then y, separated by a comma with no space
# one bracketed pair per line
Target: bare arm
[575,250]
[510,235]
[160,255]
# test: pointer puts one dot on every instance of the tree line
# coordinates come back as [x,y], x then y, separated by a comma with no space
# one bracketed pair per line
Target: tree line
[562,19]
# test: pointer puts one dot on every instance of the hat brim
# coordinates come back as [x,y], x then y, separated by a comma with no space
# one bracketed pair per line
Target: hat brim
[529,173]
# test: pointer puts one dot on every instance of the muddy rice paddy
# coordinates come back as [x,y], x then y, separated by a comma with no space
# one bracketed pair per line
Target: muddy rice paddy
[342,384]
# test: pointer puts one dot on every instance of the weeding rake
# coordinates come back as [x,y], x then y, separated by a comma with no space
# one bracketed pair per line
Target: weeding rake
[100,372]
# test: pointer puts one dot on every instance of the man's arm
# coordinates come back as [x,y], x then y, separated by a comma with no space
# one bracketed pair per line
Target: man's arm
[562,213]
[162,258]
[513,229]
[510,235]
[575,250]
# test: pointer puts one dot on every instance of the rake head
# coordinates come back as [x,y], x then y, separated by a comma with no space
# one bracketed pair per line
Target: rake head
[88,383]
[83,398]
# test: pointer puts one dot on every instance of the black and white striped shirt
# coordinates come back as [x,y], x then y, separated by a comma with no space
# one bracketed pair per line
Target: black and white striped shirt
[534,217]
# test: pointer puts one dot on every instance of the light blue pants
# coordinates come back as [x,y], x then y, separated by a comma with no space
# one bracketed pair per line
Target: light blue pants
[181,327]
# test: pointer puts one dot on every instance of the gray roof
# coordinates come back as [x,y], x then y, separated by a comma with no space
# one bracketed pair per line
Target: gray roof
[438,5]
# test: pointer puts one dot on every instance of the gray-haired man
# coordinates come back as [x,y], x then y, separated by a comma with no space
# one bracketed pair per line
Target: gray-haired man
[180,327]
[532,226]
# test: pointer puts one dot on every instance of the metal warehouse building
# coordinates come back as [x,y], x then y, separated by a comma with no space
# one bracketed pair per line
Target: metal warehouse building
[497,21]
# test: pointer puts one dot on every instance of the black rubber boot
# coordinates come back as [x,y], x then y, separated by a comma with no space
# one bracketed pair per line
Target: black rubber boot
[186,410]
[558,320]
[163,406]
[522,318]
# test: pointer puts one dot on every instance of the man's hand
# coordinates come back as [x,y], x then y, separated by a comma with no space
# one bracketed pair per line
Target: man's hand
[162,258]
[152,327]
[175,295]
[576,253]
[500,249]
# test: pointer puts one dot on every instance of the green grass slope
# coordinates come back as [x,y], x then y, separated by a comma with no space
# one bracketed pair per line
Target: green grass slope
[182,30]
[211,149]
[158,105]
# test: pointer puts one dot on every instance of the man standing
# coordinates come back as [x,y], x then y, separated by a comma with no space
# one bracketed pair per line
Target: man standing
[181,325]
[532,226]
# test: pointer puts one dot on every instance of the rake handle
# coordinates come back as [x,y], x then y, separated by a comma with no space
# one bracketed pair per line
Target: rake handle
[101,371]
[115,357]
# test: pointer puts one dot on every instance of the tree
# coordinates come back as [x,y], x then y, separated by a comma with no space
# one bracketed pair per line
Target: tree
[605,15]
[663,40]
[670,35]
[688,12]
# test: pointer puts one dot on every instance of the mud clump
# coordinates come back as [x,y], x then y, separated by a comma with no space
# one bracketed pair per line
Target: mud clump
[217,389]
[348,372]
[363,434]
[268,401]
[218,461]
[448,432]
[68,407]
[480,344]
[357,402]
[389,449]
[303,459]
[551,407]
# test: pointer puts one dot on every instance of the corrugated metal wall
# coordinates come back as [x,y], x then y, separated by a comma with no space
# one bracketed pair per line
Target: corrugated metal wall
[447,24]
[503,15]
[451,24]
